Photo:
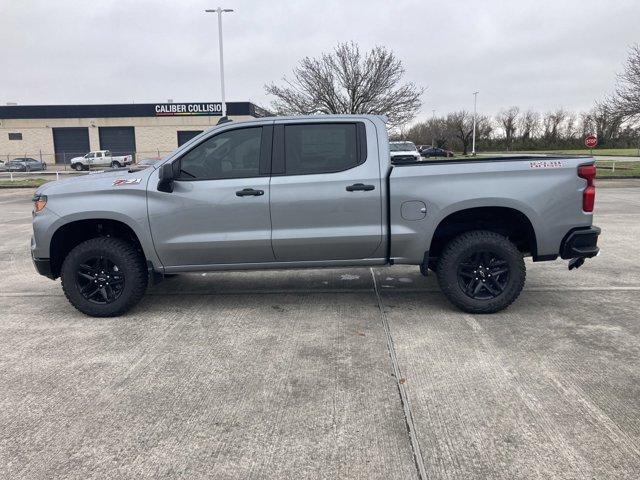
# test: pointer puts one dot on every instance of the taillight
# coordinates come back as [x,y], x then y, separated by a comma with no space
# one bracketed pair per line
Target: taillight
[588,172]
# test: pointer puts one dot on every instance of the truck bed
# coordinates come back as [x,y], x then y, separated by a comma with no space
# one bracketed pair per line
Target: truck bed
[498,158]
[547,190]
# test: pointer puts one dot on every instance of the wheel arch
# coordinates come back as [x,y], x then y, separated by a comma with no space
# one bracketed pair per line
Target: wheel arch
[70,234]
[505,220]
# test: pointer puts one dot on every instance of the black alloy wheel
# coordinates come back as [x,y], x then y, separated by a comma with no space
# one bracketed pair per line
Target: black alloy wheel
[104,276]
[481,271]
[99,280]
[483,275]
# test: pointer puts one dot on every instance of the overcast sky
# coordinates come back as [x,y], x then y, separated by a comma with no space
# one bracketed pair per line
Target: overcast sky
[537,54]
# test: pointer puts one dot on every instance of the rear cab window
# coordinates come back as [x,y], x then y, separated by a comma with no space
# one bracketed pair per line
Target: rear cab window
[316,148]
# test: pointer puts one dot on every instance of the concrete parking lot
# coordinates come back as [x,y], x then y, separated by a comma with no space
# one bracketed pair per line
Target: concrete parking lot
[326,374]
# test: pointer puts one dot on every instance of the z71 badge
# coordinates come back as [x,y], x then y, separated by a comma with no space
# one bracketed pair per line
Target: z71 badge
[546,164]
[126,181]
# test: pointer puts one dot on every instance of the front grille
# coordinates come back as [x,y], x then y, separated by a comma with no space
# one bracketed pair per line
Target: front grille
[403,158]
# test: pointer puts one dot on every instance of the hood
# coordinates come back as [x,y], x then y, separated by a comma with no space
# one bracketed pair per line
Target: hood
[100,180]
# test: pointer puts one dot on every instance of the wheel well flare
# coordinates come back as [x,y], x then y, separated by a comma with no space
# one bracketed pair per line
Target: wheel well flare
[70,235]
[505,221]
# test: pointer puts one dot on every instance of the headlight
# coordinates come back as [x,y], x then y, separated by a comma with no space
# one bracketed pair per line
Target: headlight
[39,202]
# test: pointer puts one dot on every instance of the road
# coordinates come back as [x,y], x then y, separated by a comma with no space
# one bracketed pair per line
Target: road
[326,374]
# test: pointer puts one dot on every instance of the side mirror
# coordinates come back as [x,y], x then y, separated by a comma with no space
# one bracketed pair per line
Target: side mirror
[165,182]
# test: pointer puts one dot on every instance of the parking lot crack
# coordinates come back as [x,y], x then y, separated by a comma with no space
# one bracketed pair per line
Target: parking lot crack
[401,384]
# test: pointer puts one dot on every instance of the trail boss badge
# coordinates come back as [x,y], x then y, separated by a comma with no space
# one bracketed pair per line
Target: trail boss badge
[546,164]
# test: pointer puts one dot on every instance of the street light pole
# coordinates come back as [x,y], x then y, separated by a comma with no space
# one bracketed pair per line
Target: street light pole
[433,125]
[220,11]
[475,103]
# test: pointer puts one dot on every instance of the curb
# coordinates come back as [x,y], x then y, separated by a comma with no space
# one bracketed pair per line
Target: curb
[617,177]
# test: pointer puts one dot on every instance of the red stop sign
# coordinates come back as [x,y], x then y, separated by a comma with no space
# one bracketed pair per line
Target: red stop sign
[591,141]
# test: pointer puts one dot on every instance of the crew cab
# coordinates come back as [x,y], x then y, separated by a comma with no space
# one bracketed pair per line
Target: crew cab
[100,158]
[307,192]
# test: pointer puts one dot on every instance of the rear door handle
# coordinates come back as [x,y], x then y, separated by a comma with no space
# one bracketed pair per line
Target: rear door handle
[360,187]
[249,192]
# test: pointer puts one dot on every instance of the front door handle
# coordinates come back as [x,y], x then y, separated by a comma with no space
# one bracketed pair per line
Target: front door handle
[249,192]
[360,187]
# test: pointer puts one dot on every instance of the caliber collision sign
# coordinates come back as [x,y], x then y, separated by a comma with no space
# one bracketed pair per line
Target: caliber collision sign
[591,141]
[179,109]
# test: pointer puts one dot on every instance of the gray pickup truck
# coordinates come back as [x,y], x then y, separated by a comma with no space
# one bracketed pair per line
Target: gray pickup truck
[307,192]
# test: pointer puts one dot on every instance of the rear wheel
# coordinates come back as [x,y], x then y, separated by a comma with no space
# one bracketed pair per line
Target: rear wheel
[115,164]
[481,272]
[104,277]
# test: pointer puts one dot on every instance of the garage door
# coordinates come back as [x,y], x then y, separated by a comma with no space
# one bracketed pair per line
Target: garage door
[120,140]
[70,142]
[185,135]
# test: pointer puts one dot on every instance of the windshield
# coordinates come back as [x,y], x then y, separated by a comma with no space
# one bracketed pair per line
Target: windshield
[401,146]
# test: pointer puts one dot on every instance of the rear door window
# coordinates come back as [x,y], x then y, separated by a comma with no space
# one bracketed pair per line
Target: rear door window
[321,148]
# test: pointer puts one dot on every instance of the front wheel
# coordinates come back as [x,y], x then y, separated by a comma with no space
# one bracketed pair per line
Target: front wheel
[481,272]
[77,167]
[104,277]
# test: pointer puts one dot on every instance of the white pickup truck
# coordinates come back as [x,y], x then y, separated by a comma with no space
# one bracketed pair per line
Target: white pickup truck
[100,158]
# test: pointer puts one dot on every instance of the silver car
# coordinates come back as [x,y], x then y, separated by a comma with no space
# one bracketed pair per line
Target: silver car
[25,164]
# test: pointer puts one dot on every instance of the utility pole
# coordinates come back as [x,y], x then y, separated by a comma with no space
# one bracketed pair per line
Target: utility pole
[220,11]
[475,114]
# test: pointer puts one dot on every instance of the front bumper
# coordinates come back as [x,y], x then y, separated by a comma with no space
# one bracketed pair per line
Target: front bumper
[43,267]
[580,243]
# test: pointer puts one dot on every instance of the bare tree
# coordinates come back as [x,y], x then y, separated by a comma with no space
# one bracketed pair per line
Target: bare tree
[460,126]
[551,122]
[431,132]
[508,120]
[626,99]
[603,121]
[529,124]
[570,128]
[345,81]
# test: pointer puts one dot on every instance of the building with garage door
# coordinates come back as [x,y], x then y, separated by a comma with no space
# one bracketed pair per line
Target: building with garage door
[57,133]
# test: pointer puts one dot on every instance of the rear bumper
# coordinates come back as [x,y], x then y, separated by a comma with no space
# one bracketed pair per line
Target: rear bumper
[580,243]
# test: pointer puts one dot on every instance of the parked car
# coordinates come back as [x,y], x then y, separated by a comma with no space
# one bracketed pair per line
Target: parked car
[429,151]
[308,192]
[404,152]
[25,164]
[100,158]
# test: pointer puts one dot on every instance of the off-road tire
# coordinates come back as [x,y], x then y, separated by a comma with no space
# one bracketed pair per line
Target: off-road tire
[131,264]
[458,251]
